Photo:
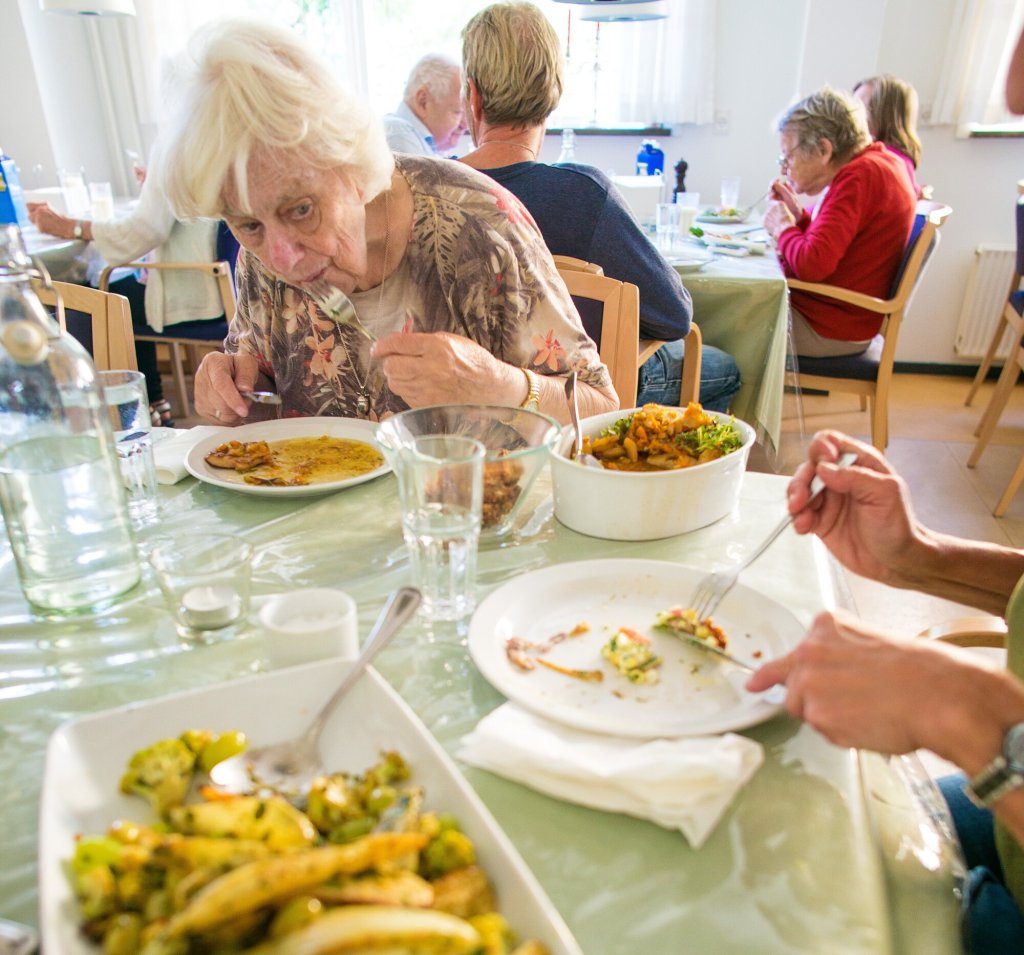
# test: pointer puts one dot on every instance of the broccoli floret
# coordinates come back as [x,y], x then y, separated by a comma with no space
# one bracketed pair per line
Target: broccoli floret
[450,850]
[161,773]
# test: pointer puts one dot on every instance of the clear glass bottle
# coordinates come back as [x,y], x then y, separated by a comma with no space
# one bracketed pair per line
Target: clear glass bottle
[568,153]
[60,485]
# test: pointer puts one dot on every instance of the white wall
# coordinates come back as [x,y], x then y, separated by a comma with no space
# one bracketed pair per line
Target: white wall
[768,55]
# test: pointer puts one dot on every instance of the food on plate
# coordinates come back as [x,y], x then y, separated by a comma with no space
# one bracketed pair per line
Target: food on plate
[632,655]
[722,212]
[659,438]
[526,656]
[239,455]
[680,620]
[501,488]
[363,868]
[294,462]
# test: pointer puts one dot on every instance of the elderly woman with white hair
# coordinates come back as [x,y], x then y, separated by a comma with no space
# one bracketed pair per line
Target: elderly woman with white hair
[858,233]
[444,268]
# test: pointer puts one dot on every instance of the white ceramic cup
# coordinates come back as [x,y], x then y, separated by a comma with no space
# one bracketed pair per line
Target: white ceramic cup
[310,624]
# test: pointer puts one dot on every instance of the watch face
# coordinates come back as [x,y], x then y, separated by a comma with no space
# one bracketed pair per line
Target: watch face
[1013,748]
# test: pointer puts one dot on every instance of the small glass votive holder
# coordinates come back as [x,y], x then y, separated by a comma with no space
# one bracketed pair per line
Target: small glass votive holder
[206,584]
[127,403]
[310,624]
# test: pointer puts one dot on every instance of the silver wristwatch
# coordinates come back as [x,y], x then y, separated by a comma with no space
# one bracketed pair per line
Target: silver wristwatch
[1004,774]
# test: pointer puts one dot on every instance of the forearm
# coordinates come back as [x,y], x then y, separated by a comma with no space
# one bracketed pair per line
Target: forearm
[975,573]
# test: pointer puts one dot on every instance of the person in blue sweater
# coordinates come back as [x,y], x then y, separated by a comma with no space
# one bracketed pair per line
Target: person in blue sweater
[512,81]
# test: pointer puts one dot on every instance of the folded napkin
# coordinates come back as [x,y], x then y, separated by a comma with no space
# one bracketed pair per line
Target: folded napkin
[683,784]
[170,452]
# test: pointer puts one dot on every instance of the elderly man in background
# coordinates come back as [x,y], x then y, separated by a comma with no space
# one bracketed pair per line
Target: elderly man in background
[513,81]
[428,121]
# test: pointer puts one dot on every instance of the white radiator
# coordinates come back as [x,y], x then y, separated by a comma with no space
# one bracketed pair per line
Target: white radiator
[984,298]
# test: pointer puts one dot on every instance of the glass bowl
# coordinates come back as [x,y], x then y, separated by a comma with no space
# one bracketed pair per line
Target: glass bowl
[518,443]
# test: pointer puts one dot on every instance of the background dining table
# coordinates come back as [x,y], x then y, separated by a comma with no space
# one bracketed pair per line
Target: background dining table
[741,304]
[824,850]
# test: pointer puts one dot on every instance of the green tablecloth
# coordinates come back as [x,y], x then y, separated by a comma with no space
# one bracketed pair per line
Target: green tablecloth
[742,307]
[800,862]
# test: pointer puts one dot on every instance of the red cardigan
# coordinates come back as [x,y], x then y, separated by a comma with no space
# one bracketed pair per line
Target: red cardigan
[856,241]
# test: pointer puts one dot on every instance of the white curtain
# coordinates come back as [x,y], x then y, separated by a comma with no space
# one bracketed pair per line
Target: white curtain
[667,73]
[982,36]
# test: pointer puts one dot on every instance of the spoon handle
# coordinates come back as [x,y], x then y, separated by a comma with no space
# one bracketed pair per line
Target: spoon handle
[400,606]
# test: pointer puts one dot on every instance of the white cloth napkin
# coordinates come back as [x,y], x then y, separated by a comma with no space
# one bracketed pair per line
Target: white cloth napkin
[170,452]
[683,784]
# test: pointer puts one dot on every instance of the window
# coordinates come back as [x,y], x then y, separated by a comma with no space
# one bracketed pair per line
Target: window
[982,36]
[617,73]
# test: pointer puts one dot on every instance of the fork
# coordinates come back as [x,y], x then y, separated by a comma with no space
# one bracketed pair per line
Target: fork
[714,586]
[337,307]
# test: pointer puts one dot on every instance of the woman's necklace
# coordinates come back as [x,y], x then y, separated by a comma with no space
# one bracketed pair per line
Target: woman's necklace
[363,398]
[511,142]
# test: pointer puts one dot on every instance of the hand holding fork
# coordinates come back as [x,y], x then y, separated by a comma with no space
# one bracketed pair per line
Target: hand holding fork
[714,586]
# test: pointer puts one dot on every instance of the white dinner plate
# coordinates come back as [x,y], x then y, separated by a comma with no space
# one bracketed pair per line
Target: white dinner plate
[86,758]
[697,694]
[716,217]
[279,430]
[686,265]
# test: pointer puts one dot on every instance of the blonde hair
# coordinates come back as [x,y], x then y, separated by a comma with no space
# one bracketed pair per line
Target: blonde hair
[251,87]
[831,115]
[513,55]
[892,114]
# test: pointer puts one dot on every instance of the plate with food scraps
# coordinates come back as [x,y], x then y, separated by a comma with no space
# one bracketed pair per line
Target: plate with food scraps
[724,216]
[565,615]
[326,454]
[86,758]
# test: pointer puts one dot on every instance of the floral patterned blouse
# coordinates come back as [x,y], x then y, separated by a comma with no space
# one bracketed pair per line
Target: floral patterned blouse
[475,265]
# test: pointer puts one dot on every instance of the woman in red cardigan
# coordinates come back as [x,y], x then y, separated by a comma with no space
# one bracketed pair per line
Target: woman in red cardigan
[858,232]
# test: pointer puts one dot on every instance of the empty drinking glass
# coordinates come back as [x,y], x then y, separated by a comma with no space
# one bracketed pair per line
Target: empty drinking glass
[127,402]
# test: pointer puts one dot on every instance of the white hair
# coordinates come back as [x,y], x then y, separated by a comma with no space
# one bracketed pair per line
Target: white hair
[435,71]
[248,86]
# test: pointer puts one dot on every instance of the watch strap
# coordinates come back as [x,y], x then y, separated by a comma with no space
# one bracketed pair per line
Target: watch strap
[77,231]
[532,399]
[993,782]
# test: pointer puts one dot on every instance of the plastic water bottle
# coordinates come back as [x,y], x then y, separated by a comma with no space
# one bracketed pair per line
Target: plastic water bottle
[568,153]
[12,200]
[60,483]
[650,161]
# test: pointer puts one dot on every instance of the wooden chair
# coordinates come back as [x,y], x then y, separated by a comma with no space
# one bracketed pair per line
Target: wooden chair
[221,272]
[1012,319]
[869,375]
[1012,313]
[569,263]
[1007,380]
[113,344]
[619,327]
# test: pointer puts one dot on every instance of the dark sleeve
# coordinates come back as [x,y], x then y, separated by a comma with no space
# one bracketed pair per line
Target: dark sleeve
[620,247]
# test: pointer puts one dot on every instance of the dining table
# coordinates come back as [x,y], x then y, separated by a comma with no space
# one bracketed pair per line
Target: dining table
[825,849]
[741,303]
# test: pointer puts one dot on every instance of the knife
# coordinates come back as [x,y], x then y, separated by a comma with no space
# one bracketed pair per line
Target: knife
[262,397]
[717,651]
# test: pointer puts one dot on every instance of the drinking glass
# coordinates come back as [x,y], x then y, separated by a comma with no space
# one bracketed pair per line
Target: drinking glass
[440,487]
[206,584]
[101,201]
[667,225]
[730,194]
[127,402]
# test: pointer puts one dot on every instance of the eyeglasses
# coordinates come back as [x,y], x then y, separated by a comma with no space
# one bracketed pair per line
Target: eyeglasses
[785,160]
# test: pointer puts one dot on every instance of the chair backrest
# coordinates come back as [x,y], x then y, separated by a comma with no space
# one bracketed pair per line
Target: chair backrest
[113,342]
[221,271]
[569,263]
[619,338]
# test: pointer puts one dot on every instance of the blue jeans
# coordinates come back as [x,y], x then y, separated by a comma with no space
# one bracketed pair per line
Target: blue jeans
[992,922]
[661,377]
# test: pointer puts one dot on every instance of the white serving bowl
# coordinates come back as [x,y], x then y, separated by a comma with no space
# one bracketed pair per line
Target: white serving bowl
[644,505]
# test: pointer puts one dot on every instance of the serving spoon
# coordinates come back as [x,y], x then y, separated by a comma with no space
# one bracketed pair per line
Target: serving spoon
[289,767]
[576,451]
